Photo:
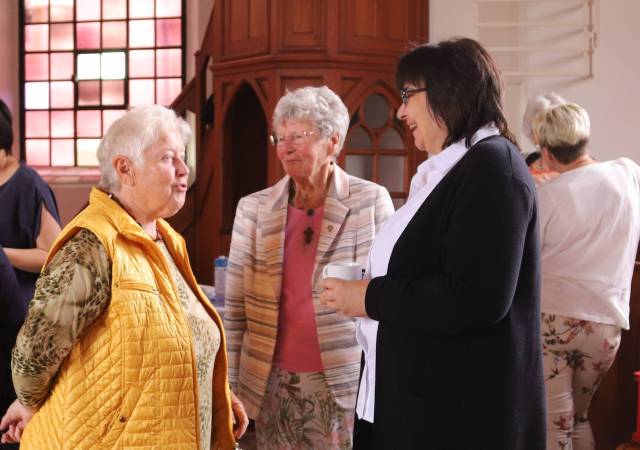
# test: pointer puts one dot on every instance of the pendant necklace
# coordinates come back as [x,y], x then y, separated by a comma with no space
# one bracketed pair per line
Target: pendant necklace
[308,231]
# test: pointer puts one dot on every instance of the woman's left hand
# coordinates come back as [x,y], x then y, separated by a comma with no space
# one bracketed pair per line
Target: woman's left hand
[241,421]
[346,297]
[14,422]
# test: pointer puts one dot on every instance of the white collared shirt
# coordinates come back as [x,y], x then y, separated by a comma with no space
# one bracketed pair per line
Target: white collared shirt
[428,176]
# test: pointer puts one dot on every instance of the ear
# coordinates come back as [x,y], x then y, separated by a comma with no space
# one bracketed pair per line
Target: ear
[124,170]
[547,158]
[333,145]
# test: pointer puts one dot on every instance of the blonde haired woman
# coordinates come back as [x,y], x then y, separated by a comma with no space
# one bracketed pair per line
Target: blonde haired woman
[590,222]
[535,106]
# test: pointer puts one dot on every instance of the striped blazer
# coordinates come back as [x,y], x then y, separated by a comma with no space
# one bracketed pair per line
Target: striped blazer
[354,211]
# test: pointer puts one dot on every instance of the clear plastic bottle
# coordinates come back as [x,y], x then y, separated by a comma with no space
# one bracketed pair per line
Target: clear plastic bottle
[219,275]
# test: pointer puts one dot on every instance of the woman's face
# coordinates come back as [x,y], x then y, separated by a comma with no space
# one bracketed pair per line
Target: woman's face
[161,181]
[301,149]
[428,134]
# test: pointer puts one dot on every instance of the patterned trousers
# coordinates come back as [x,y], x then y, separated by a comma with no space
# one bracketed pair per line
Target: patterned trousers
[299,412]
[577,355]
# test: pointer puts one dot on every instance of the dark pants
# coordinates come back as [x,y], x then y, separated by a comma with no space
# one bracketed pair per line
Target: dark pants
[362,430]
[362,435]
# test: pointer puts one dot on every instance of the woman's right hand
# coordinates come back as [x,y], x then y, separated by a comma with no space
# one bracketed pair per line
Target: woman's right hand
[14,422]
[240,418]
[346,297]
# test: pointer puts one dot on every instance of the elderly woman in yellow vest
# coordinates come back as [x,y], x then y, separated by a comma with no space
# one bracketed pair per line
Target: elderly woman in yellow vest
[295,362]
[121,348]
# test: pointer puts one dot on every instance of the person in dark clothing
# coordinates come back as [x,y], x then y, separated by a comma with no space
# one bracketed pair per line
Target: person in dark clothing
[29,222]
[13,310]
[450,318]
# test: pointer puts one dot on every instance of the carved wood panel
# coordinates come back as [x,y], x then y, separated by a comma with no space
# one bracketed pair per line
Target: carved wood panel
[291,82]
[245,28]
[378,26]
[302,25]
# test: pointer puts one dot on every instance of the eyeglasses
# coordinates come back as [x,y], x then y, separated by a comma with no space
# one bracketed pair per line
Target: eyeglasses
[297,138]
[405,93]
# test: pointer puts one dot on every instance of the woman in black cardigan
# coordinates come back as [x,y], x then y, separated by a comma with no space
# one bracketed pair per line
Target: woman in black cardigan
[451,312]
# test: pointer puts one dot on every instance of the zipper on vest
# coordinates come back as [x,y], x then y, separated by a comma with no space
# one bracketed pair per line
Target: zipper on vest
[135,285]
[138,286]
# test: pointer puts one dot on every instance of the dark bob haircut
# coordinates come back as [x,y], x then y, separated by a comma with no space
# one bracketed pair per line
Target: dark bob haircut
[6,132]
[464,88]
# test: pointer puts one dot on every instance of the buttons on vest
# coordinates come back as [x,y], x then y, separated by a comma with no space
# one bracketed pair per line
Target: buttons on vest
[122,418]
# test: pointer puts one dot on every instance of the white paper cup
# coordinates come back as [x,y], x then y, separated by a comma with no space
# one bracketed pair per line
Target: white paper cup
[344,270]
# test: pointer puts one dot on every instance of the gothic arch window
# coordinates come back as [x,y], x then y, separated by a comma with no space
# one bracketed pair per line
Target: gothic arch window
[85,62]
[375,147]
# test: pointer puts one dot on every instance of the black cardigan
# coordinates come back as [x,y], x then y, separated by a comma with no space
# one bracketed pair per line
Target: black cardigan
[459,361]
[13,310]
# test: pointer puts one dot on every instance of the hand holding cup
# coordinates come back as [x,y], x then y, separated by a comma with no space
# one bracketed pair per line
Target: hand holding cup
[344,288]
[351,271]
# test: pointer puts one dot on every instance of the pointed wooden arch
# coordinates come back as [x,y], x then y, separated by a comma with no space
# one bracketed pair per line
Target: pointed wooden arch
[367,87]
[236,85]
[244,155]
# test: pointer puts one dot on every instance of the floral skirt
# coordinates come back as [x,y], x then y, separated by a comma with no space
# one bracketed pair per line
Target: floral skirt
[299,412]
[576,355]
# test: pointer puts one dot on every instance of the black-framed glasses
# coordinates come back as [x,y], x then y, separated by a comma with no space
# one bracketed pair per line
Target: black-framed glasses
[297,138]
[405,93]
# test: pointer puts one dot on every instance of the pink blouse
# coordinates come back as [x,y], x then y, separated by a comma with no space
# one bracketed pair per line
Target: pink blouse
[297,348]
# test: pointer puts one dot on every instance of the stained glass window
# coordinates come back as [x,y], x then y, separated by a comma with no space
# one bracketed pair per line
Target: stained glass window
[86,62]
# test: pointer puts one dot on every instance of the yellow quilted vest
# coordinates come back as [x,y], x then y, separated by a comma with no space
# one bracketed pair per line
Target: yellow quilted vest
[130,381]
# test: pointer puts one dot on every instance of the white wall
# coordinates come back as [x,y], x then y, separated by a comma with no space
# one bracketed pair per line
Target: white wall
[198,13]
[611,96]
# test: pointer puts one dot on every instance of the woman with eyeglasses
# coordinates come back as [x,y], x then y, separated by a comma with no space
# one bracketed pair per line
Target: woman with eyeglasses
[294,362]
[450,317]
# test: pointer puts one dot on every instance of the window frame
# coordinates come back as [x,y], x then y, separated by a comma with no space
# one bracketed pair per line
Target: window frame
[85,171]
[375,151]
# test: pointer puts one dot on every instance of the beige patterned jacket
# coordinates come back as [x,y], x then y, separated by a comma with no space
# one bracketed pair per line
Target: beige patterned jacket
[354,211]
